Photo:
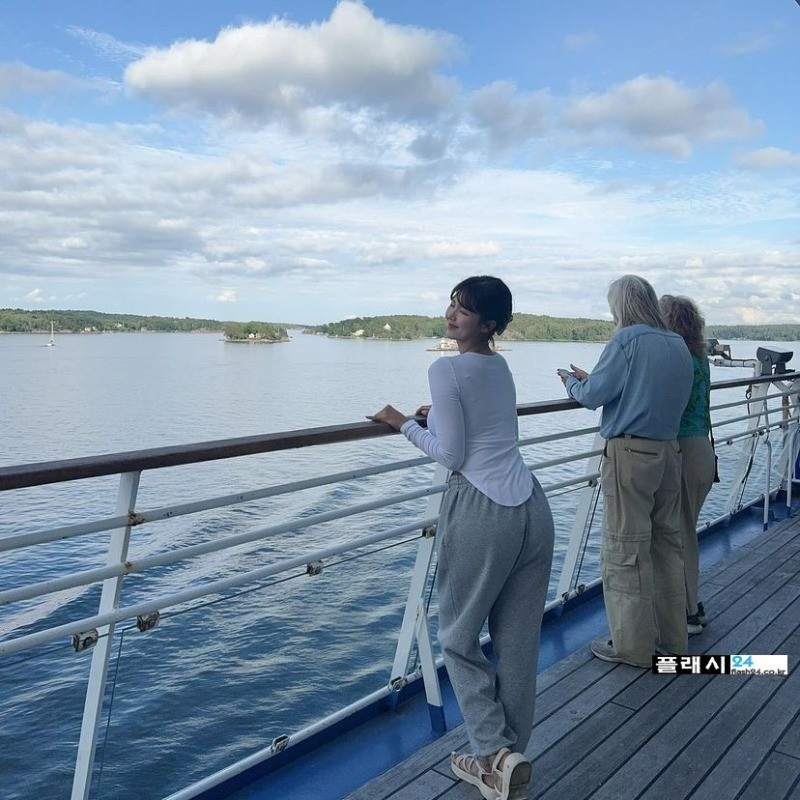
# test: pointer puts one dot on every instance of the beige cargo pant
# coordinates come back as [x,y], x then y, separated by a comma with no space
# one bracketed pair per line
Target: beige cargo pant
[697,479]
[642,551]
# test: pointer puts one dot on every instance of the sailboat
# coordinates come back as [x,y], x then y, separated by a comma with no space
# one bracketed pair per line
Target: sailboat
[52,342]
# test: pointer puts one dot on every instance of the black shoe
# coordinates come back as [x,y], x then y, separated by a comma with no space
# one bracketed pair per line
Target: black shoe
[701,615]
[693,624]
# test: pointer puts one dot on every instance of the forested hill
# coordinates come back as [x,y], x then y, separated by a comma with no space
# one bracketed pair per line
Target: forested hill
[757,333]
[15,320]
[528,327]
[531,327]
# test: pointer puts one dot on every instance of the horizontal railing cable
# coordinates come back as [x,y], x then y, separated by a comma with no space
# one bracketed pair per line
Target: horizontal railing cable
[748,400]
[754,380]
[193,593]
[171,512]
[329,565]
[554,462]
[754,415]
[553,487]
[756,431]
[133,566]
[554,437]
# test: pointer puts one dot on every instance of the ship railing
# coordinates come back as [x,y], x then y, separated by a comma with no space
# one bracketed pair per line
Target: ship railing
[766,421]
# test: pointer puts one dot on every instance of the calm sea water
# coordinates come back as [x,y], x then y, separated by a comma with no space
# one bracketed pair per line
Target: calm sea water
[220,679]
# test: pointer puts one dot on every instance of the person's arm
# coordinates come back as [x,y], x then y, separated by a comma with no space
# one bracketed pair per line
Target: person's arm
[604,383]
[448,446]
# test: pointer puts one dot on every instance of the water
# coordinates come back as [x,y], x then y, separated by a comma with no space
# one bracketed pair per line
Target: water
[218,680]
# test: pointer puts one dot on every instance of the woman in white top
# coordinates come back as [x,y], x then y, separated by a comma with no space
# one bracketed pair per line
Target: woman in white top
[494,539]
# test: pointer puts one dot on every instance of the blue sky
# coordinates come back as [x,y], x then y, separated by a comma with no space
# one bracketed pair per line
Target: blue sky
[309,161]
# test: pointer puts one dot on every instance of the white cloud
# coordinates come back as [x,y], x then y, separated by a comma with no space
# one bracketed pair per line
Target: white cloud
[750,43]
[277,70]
[105,45]
[17,77]
[769,158]
[508,117]
[580,41]
[464,249]
[34,296]
[663,115]
[382,183]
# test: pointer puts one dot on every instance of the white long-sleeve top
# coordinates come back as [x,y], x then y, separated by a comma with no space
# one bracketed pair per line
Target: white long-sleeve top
[472,425]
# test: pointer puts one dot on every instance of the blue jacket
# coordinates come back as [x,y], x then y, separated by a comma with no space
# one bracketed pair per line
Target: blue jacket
[643,381]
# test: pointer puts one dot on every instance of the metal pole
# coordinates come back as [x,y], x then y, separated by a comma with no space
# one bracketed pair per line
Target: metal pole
[95,691]
[748,449]
[414,625]
[767,481]
[585,504]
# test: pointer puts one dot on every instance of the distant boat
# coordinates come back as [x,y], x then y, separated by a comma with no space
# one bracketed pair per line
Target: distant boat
[451,344]
[444,344]
[52,342]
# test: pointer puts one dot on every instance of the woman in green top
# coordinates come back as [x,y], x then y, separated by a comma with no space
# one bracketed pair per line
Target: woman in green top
[699,466]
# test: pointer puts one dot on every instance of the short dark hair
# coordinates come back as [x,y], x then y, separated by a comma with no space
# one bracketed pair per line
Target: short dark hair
[487,297]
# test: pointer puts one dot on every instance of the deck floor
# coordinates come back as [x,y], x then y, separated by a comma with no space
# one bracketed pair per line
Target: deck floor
[614,732]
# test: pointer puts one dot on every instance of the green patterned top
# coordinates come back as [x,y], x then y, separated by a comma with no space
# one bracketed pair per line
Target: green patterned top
[696,416]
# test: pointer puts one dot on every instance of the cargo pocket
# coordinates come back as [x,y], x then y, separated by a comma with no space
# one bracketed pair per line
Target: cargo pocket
[621,572]
[608,474]
[608,490]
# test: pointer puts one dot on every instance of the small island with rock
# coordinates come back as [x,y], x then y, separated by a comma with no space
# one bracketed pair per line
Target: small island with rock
[254,333]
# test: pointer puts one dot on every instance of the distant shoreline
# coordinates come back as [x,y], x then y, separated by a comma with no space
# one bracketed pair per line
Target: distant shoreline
[67,332]
[256,341]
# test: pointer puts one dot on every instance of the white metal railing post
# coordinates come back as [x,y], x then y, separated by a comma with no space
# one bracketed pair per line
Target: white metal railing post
[792,453]
[748,449]
[415,619]
[791,410]
[95,690]
[767,482]
[586,502]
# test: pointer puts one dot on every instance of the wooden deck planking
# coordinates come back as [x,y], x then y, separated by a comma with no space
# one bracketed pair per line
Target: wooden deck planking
[777,776]
[700,733]
[731,775]
[608,731]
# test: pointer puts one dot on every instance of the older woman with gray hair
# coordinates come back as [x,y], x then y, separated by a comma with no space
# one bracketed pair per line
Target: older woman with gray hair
[642,380]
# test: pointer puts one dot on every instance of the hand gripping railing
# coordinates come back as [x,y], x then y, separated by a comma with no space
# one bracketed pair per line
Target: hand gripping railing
[413,633]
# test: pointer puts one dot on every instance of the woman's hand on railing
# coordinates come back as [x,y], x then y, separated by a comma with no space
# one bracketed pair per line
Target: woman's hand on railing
[390,415]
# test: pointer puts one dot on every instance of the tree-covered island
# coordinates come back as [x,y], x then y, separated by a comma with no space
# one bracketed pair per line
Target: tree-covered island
[254,332]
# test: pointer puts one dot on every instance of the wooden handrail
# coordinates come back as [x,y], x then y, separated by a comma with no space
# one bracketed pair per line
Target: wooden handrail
[73,469]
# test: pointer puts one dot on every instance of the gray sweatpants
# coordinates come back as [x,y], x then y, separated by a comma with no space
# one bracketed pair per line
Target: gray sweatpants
[494,561]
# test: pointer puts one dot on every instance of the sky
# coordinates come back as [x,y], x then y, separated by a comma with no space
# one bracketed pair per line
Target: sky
[309,161]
